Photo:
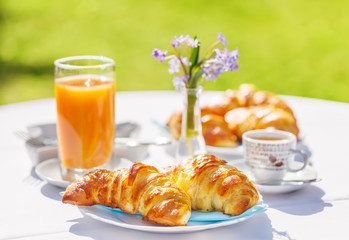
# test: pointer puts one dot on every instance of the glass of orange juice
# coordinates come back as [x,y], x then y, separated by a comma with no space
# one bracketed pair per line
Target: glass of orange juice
[85,98]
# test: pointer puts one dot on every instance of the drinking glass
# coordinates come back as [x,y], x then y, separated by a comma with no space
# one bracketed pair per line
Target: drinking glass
[85,98]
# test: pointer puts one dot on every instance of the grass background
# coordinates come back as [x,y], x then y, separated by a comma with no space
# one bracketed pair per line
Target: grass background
[290,47]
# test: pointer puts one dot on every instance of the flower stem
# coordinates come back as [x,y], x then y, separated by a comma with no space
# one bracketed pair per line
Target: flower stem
[195,77]
[191,131]
[209,50]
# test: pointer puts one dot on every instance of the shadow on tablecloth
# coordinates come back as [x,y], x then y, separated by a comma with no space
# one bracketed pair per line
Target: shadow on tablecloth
[306,201]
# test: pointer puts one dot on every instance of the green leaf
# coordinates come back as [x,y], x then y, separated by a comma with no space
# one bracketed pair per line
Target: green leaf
[194,55]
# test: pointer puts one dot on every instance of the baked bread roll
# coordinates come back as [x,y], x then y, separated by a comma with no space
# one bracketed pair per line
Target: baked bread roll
[247,95]
[175,124]
[216,132]
[213,185]
[241,120]
[138,189]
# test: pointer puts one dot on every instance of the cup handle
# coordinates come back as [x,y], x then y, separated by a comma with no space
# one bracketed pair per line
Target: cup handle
[305,160]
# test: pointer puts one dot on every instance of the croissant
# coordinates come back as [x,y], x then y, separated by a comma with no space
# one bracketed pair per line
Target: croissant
[138,189]
[241,120]
[247,95]
[214,129]
[175,124]
[213,185]
[216,132]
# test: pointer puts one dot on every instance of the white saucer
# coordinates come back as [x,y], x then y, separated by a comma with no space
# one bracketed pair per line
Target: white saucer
[282,188]
[300,179]
[49,170]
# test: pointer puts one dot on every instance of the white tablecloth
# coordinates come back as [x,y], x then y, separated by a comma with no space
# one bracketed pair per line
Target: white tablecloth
[31,209]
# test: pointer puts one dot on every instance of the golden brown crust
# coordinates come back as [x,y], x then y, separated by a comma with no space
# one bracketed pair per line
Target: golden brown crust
[214,129]
[213,185]
[216,132]
[175,124]
[241,120]
[248,95]
[138,189]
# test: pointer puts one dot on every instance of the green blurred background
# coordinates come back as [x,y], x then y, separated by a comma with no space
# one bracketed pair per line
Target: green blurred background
[293,47]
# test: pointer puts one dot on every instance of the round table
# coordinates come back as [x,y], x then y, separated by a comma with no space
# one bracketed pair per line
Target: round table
[32,209]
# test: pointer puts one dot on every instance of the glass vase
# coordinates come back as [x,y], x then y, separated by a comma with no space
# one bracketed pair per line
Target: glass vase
[191,142]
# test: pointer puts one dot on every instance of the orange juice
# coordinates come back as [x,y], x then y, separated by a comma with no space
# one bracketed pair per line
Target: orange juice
[85,120]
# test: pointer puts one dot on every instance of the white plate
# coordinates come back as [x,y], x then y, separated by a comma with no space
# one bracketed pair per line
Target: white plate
[302,178]
[135,221]
[49,171]
[226,153]
[233,154]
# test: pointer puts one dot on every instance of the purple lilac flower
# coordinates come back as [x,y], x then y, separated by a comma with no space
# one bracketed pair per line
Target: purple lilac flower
[159,55]
[221,38]
[180,81]
[192,43]
[234,59]
[210,73]
[185,61]
[223,61]
[176,42]
[227,60]
[174,65]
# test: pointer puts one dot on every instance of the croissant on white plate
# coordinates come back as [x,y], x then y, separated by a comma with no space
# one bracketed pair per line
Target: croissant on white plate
[241,120]
[213,185]
[138,189]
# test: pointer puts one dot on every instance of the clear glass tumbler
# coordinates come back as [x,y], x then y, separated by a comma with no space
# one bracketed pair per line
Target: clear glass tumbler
[85,98]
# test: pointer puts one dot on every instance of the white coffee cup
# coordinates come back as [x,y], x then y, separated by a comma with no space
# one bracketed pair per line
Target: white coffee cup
[269,153]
